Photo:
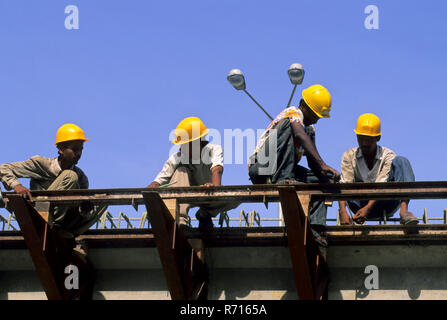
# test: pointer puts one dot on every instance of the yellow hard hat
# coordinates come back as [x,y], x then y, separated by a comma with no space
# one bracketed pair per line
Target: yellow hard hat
[189,129]
[368,124]
[69,132]
[318,99]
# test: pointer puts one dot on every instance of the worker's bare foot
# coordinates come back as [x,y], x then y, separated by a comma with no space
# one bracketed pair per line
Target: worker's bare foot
[408,219]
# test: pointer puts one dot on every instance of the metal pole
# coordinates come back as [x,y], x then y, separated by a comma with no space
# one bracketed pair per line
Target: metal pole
[258,105]
[291,96]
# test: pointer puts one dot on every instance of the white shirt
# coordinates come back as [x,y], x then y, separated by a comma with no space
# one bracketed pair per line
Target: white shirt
[355,169]
[212,156]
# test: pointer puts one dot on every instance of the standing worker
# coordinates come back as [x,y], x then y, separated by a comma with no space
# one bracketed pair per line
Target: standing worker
[197,163]
[290,136]
[59,173]
[370,162]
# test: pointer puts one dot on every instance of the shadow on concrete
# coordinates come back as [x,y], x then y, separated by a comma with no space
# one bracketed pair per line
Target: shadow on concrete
[394,283]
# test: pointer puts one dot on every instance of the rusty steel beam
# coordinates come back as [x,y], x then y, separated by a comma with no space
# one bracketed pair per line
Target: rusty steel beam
[249,193]
[50,254]
[185,272]
[433,234]
[309,266]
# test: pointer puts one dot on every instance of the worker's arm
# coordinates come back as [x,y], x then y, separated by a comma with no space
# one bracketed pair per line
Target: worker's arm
[216,161]
[345,218]
[216,176]
[320,166]
[31,168]
[164,176]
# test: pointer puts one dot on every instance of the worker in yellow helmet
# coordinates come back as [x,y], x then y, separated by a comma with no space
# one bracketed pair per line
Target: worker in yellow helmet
[290,136]
[370,162]
[197,163]
[60,173]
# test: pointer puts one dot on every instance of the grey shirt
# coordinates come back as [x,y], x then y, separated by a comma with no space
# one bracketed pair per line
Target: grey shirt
[41,170]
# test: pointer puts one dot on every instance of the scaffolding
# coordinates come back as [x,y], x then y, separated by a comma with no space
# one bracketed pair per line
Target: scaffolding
[181,251]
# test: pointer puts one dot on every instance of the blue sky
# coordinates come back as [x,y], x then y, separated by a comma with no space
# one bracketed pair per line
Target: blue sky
[134,69]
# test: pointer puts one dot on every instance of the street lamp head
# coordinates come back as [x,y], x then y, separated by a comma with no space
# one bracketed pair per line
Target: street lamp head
[236,78]
[296,73]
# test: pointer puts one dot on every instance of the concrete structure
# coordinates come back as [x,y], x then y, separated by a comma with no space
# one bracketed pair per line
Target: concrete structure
[250,263]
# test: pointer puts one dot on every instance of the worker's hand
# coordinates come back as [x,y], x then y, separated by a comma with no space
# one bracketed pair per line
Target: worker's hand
[153,185]
[330,172]
[19,189]
[361,215]
[345,218]
[208,184]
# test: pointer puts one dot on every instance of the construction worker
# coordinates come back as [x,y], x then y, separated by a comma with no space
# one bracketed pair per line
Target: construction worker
[197,163]
[290,136]
[59,173]
[370,162]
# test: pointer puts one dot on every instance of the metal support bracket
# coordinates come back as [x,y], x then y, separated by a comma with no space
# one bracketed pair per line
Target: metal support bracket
[309,266]
[51,254]
[185,271]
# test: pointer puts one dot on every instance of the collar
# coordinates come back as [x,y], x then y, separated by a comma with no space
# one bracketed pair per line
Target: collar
[378,156]
[57,166]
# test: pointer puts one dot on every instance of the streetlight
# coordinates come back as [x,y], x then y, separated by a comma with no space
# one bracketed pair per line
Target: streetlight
[237,80]
[296,75]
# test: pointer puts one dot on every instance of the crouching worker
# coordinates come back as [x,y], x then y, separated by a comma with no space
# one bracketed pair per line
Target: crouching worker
[370,162]
[59,173]
[288,137]
[197,163]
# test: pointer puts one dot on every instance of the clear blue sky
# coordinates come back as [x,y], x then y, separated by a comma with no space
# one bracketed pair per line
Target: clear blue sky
[134,69]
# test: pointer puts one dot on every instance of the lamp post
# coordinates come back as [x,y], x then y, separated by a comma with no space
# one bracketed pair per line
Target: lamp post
[296,75]
[237,80]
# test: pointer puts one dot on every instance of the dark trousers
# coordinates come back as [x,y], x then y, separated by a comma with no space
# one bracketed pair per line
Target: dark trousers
[401,171]
[279,164]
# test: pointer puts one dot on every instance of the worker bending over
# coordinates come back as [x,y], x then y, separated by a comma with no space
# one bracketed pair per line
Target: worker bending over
[59,173]
[197,163]
[290,136]
[370,162]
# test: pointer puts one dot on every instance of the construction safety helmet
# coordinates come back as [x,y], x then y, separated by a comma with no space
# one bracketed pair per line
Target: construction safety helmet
[189,129]
[69,132]
[368,124]
[318,99]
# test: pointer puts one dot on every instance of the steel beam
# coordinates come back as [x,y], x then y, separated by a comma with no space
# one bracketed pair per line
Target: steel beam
[51,254]
[249,193]
[185,272]
[309,266]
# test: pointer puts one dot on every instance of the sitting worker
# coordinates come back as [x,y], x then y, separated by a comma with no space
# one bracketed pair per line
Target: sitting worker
[197,163]
[290,136]
[59,173]
[370,162]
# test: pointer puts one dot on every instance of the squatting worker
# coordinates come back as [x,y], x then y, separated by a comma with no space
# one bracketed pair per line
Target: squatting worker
[197,163]
[60,173]
[370,162]
[288,137]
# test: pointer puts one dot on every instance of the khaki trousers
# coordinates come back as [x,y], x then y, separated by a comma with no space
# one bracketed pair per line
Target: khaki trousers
[68,218]
[190,175]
